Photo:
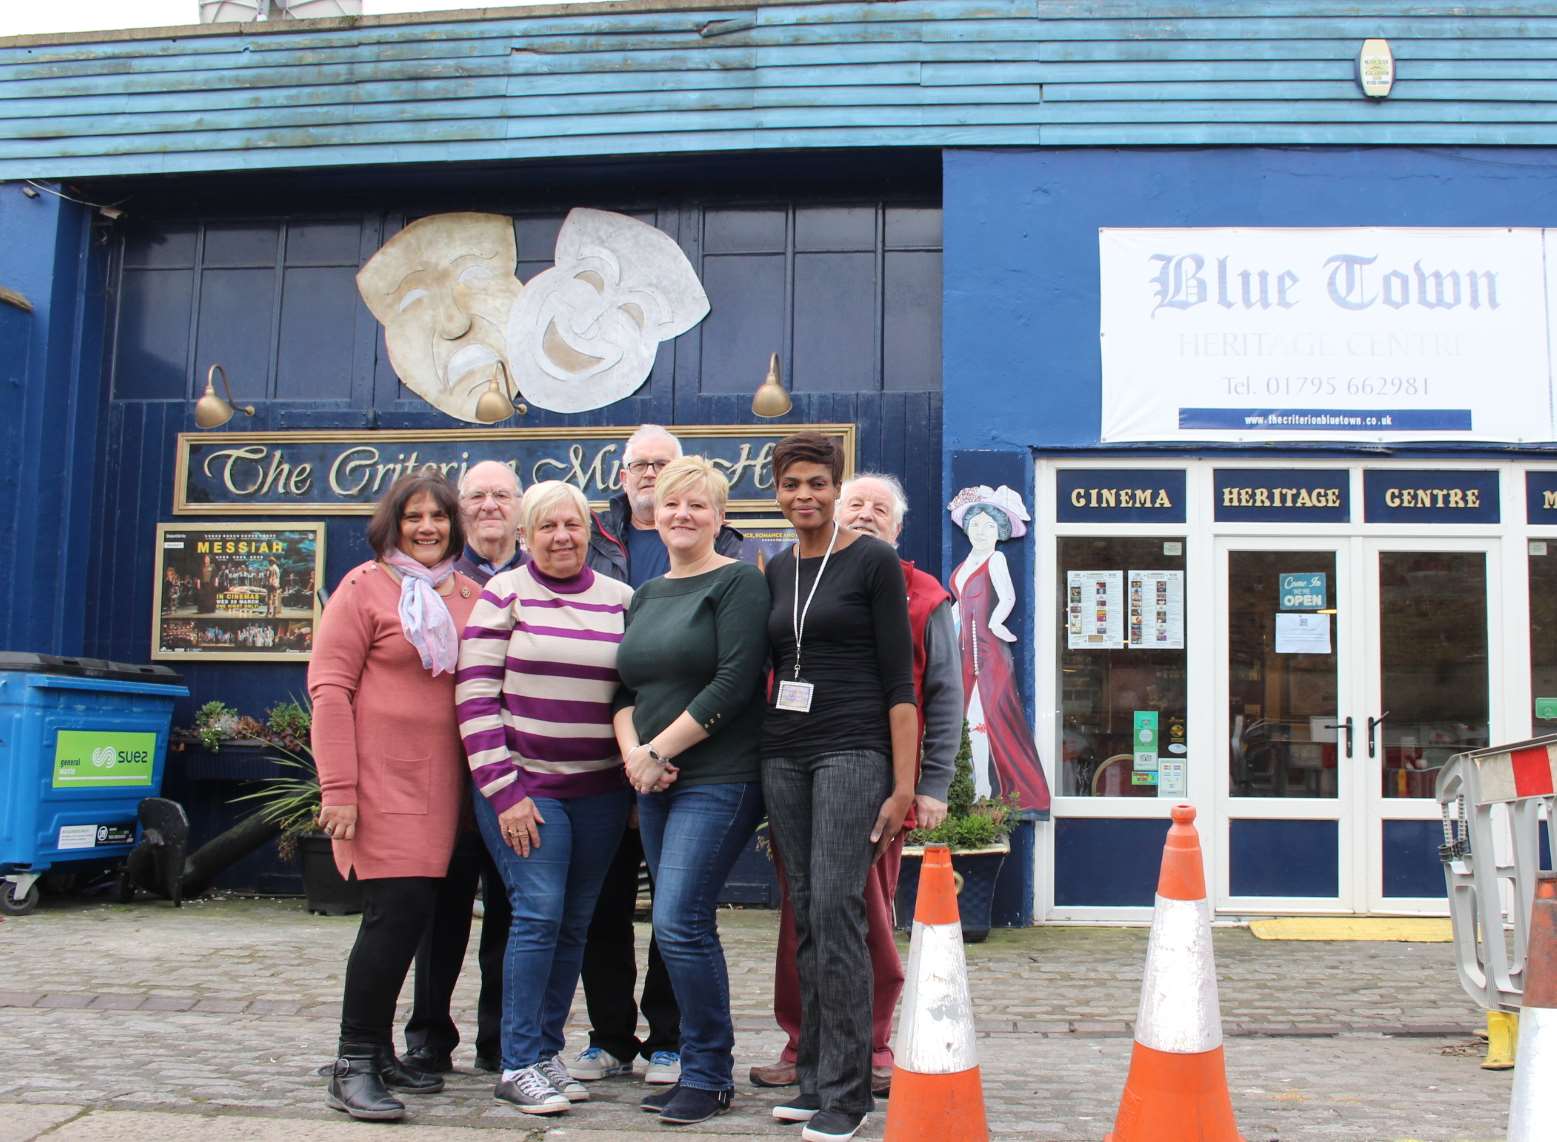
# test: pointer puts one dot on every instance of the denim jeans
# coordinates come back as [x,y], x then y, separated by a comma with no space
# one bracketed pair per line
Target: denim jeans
[552,893]
[821,809]
[692,836]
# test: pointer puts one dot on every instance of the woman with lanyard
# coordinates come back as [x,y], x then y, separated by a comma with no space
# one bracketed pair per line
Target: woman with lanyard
[391,768]
[838,760]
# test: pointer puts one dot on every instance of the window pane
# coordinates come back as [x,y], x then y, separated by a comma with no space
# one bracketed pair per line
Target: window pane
[1543,627]
[1103,686]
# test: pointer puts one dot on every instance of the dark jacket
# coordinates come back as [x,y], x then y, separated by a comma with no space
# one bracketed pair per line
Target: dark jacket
[608,548]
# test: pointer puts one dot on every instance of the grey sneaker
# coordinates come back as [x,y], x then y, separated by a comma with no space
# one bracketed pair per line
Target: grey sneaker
[558,1076]
[664,1068]
[597,1063]
[532,1092]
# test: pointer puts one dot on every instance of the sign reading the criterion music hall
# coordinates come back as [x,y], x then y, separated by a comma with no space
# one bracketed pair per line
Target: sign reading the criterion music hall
[1335,334]
[345,472]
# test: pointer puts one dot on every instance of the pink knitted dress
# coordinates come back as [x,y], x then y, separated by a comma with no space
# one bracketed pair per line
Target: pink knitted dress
[384,732]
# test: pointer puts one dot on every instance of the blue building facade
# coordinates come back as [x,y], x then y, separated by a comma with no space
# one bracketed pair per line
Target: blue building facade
[904,201]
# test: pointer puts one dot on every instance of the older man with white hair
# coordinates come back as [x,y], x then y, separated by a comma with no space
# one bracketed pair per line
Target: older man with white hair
[489,509]
[875,504]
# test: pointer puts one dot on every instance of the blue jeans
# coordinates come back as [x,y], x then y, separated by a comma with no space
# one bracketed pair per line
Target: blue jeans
[552,892]
[692,836]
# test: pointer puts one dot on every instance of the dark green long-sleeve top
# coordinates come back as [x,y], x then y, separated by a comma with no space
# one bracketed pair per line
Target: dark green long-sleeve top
[700,644]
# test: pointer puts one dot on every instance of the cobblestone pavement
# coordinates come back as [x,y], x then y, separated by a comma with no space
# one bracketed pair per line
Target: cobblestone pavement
[136,1021]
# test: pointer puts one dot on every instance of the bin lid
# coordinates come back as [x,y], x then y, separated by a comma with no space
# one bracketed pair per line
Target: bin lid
[87,668]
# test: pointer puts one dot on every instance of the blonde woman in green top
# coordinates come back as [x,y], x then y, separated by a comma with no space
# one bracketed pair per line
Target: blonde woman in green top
[689,720]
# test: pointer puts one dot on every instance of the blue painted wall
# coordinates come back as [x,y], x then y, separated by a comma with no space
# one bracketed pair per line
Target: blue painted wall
[1022,361]
[836,266]
[52,378]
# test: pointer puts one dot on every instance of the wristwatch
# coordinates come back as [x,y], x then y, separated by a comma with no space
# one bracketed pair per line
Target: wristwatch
[654,754]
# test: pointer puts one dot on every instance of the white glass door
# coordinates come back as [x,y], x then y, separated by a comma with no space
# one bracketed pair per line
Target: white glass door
[1429,676]
[1288,787]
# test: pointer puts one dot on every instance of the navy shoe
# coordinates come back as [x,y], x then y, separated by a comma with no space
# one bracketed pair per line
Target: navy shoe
[692,1105]
[659,1100]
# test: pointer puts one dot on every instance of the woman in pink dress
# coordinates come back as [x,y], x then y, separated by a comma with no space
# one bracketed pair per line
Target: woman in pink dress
[1004,758]
[392,770]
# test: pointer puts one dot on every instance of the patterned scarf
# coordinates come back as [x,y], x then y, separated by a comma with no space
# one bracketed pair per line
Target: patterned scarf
[424,616]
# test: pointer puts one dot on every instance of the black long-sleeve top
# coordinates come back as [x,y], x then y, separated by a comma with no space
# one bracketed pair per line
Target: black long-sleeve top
[856,650]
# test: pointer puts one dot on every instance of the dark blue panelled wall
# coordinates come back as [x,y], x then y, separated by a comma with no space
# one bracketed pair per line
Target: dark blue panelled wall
[834,265]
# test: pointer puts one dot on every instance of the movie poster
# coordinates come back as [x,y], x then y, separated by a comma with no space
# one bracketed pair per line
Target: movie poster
[237,591]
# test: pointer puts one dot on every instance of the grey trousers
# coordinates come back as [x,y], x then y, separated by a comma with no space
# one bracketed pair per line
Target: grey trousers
[820,810]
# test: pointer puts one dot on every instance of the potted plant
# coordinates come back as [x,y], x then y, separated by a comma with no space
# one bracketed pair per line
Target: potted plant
[292,803]
[977,830]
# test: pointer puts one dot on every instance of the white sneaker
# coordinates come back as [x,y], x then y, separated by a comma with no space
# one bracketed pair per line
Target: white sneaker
[597,1063]
[664,1068]
[558,1076]
[532,1092]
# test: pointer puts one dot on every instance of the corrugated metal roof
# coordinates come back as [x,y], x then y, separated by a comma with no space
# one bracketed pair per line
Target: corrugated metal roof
[664,78]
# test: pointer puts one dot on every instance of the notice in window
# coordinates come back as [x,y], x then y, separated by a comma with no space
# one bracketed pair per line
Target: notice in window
[1298,633]
[1156,610]
[1094,610]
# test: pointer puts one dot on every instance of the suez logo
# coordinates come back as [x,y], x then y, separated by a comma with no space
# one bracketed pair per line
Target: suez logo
[106,757]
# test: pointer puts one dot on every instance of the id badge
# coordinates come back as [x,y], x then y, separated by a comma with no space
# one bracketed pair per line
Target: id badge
[795,697]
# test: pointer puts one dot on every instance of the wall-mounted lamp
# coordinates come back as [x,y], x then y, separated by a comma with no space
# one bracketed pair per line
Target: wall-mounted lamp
[212,411]
[771,399]
[1375,69]
[495,404]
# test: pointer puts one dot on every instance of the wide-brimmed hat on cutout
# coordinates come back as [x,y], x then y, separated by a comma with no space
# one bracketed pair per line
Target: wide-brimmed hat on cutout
[1003,499]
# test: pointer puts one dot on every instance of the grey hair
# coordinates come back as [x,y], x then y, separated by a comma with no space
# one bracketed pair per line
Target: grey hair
[648,432]
[549,494]
[509,468]
[894,485]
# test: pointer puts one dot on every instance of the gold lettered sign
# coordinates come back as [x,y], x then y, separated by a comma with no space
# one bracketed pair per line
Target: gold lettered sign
[344,473]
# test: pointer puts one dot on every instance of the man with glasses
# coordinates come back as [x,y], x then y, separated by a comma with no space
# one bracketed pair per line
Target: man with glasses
[489,509]
[625,545]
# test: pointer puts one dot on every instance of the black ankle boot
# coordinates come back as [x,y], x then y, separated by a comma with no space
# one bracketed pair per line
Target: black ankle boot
[407,1080]
[357,1088]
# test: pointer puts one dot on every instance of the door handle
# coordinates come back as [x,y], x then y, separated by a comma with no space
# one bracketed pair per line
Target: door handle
[1374,723]
[1346,728]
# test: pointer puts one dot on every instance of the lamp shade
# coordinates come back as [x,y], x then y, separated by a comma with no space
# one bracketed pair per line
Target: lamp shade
[771,399]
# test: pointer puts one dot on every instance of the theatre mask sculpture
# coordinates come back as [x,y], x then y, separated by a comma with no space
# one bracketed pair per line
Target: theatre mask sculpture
[444,288]
[586,331]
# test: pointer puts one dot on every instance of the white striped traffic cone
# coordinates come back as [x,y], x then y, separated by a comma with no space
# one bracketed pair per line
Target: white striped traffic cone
[937,1095]
[1532,1112]
[1177,1089]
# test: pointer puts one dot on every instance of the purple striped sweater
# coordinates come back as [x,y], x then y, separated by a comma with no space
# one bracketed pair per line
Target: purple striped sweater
[536,677]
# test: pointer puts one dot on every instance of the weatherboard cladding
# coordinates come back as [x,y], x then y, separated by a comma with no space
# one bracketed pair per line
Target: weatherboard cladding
[651,78]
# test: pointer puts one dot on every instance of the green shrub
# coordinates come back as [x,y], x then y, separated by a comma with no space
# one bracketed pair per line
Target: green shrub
[971,822]
[215,722]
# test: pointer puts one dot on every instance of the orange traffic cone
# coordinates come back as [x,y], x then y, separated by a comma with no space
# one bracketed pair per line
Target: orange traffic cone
[1177,1089]
[937,1095]
[1532,1112]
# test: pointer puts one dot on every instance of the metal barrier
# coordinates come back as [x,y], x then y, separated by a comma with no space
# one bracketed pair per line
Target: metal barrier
[1480,790]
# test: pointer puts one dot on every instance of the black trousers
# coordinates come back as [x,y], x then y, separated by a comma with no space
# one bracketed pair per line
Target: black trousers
[441,953]
[395,911]
[610,969]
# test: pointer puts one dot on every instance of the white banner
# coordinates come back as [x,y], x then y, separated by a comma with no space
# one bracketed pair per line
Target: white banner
[1344,334]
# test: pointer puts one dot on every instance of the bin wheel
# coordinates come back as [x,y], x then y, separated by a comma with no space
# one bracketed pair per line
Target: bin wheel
[13,905]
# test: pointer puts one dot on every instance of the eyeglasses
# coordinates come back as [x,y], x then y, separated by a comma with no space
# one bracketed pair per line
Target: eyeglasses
[639,467]
[498,498]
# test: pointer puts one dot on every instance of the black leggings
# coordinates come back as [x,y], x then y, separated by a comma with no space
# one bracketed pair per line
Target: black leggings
[395,911]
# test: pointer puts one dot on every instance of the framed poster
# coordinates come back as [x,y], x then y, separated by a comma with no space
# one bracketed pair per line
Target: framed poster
[763,538]
[237,591]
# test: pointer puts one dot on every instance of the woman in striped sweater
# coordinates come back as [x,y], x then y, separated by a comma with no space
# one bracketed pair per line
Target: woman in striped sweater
[537,674]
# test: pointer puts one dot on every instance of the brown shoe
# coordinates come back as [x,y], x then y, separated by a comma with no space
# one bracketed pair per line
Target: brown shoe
[881,1081]
[779,1074]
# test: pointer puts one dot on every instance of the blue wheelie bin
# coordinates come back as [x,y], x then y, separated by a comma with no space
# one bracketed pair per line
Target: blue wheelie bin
[82,741]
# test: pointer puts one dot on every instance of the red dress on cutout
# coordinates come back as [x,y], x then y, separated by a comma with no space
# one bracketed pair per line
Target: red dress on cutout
[986,663]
